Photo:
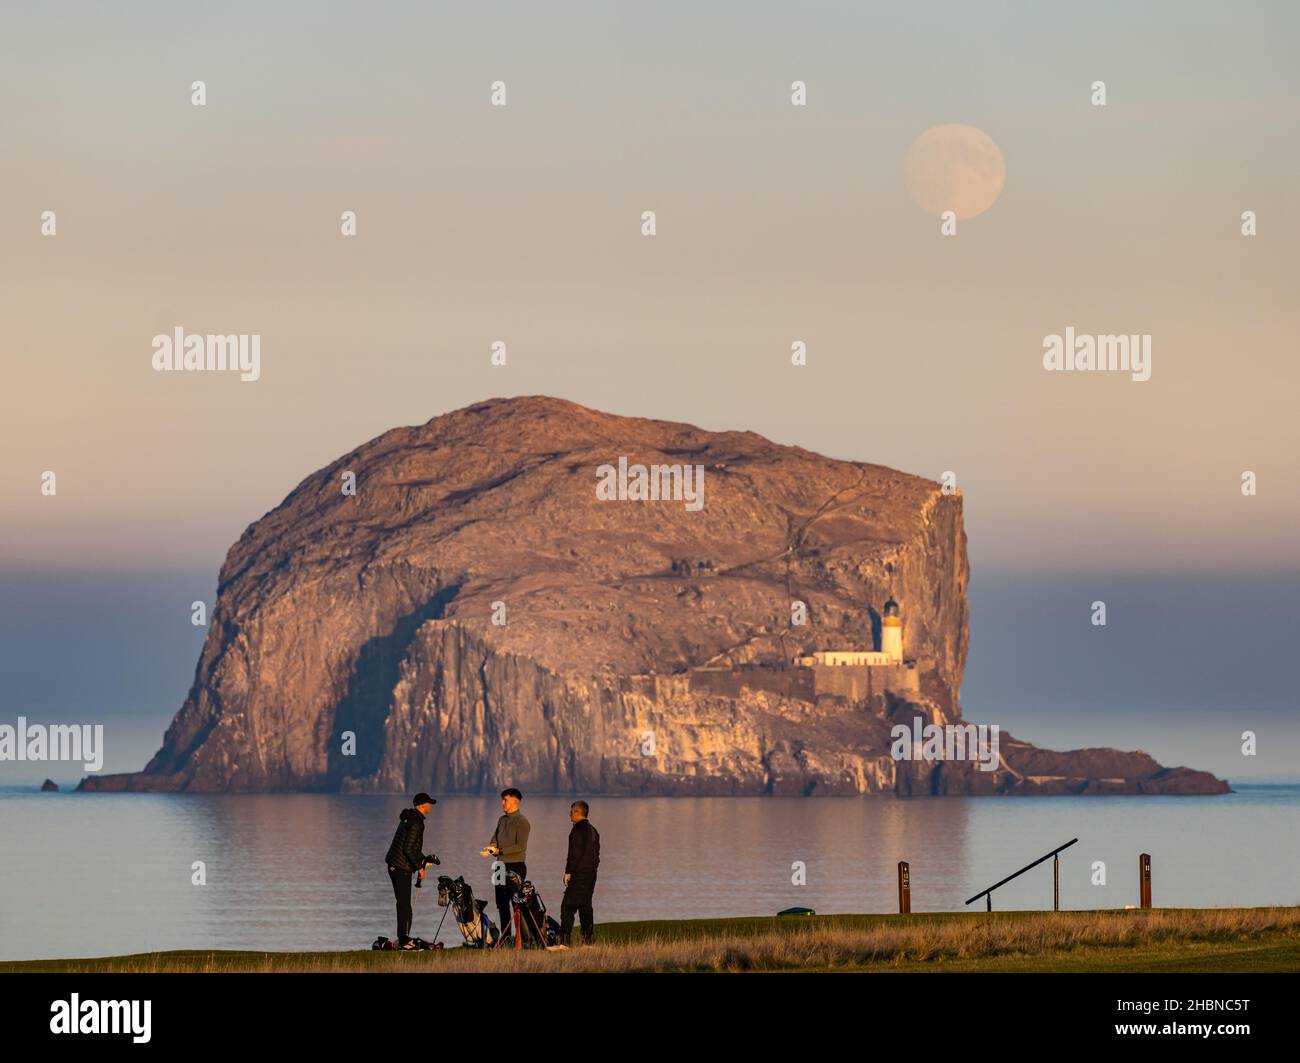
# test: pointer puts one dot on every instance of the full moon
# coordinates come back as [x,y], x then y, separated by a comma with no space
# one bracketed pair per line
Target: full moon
[954,167]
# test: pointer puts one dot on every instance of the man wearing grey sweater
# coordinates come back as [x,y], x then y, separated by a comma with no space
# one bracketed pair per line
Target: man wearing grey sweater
[510,845]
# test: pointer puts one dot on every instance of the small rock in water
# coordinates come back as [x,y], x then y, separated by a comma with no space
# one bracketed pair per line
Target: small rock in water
[49,786]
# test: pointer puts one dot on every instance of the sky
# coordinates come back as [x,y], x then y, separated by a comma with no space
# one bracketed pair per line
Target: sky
[775,224]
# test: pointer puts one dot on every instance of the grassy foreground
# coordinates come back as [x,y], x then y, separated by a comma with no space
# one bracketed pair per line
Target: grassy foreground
[1164,940]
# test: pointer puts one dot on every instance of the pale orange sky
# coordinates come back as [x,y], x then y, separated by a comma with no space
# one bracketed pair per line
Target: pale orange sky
[775,224]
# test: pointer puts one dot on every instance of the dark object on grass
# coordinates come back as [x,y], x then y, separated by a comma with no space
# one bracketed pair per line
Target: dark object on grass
[383,944]
[796,911]
[49,786]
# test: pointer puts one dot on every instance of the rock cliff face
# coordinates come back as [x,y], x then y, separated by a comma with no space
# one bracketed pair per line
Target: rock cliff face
[476,616]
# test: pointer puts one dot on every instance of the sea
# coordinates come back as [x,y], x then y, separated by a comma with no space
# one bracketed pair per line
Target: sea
[86,875]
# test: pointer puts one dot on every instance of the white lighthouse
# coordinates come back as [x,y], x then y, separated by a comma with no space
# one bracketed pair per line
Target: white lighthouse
[890,652]
[891,633]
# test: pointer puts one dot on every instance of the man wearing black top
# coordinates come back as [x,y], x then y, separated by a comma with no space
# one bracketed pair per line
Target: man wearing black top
[580,875]
[406,858]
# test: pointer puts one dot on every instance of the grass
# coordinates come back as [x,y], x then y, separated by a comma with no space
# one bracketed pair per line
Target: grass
[1163,940]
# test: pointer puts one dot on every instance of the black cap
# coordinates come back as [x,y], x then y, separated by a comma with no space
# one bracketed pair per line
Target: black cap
[423,799]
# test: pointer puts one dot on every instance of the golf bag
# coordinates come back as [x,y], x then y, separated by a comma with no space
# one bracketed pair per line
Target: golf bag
[475,925]
[539,929]
[383,944]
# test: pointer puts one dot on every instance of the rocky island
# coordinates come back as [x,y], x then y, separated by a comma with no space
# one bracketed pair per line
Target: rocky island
[530,592]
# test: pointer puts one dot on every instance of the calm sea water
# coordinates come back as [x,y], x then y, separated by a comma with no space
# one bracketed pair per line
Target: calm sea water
[103,874]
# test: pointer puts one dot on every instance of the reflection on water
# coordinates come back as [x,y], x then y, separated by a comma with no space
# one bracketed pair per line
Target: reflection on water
[101,874]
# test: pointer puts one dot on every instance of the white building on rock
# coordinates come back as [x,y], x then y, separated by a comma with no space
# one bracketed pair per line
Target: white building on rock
[890,652]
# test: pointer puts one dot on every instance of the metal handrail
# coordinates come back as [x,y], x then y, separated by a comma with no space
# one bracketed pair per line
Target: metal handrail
[1056,878]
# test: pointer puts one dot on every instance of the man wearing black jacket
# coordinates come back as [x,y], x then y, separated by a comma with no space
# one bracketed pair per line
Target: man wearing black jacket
[406,858]
[580,875]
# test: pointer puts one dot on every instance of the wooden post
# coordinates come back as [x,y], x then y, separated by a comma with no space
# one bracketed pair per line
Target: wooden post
[904,888]
[1056,883]
[1144,880]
